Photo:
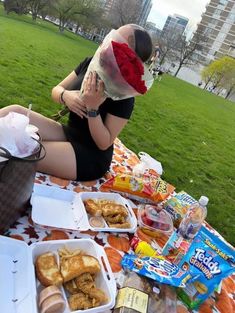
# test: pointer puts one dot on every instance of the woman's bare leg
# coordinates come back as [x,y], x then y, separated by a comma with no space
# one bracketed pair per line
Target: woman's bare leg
[49,130]
[60,160]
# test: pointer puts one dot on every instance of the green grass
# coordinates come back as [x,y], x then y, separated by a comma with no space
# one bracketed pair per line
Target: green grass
[35,57]
[191,131]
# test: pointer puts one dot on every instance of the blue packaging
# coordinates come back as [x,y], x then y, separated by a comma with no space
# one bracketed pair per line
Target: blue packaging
[156,268]
[208,260]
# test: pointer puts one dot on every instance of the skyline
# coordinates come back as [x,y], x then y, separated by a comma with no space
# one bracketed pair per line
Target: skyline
[162,8]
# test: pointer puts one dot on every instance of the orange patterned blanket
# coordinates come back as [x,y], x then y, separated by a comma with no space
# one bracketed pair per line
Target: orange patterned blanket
[115,246]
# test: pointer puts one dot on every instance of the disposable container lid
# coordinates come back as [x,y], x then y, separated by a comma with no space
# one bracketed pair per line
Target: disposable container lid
[58,208]
[18,285]
[154,219]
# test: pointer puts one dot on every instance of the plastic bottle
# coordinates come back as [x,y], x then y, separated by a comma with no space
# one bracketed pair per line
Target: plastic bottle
[192,221]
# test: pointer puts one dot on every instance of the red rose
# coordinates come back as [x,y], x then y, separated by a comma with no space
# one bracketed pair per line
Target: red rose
[130,66]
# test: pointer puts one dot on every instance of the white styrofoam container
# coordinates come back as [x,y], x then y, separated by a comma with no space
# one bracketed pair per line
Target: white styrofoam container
[58,208]
[19,287]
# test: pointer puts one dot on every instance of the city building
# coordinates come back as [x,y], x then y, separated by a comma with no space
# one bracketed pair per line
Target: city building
[175,24]
[144,12]
[218,25]
[107,6]
[152,29]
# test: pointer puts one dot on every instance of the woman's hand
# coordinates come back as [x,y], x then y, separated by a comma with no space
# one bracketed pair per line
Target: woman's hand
[73,101]
[93,93]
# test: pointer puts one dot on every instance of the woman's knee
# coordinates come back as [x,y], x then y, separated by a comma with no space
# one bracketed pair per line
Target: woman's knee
[13,108]
[17,108]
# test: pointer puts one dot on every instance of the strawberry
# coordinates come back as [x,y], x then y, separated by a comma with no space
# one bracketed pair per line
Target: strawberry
[146,220]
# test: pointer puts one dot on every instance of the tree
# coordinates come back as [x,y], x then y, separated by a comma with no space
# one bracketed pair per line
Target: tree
[69,10]
[64,10]
[212,74]
[228,80]
[185,50]
[167,44]
[221,73]
[36,6]
[207,75]
[17,6]
[91,14]
[125,12]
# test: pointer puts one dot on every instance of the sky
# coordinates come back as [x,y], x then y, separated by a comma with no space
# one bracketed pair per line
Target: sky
[192,9]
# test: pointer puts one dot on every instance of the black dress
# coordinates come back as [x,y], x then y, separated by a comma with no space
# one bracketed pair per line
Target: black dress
[92,163]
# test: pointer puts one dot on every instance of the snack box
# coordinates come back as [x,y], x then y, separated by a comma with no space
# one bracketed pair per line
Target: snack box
[177,206]
[19,287]
[58,208]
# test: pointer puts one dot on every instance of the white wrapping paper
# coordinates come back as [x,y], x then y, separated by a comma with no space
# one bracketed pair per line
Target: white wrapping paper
[105,65]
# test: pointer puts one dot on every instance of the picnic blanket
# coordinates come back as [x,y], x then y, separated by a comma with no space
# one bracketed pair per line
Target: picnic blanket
[115,246]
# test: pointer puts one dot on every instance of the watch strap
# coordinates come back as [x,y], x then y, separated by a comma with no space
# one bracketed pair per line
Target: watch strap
[93,113]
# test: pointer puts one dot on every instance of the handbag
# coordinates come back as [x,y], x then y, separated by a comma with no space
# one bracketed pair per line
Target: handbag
[16,184]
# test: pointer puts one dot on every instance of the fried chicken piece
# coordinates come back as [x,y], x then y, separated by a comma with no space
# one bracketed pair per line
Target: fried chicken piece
[118,218]
[85,282]
[93,207]
[118,225]
[98,295]
[113,209]
[80,301]
[71,287]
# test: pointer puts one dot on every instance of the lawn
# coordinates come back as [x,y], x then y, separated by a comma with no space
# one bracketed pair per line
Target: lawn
[191,131]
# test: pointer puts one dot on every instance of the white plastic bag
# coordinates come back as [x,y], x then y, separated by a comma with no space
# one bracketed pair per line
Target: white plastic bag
[16,135]
[146,163]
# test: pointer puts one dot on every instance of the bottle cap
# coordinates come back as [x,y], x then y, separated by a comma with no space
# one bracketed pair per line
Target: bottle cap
[134,242]
[203,201]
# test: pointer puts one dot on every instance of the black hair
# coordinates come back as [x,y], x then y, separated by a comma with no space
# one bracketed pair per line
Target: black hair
[143,44]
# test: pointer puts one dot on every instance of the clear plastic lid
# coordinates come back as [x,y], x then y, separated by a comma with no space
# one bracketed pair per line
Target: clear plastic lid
[155,218]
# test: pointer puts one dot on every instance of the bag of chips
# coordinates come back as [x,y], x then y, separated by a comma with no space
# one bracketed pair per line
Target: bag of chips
[208,261]
[147,188]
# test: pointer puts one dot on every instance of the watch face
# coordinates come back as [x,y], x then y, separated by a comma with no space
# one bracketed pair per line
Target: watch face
[93,113]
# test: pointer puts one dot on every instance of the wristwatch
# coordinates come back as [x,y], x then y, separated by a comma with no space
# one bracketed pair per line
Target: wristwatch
[93,113]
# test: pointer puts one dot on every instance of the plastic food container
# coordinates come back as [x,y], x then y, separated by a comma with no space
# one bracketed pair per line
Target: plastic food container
[154,221]
[64,209]
[19,287]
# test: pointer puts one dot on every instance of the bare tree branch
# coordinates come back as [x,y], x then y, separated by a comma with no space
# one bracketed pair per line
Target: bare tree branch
[125,12]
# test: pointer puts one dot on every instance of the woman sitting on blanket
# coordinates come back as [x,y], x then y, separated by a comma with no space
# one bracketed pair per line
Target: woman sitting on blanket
[99,94]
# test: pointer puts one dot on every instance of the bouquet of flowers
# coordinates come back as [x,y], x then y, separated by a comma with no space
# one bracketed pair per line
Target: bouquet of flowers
[118,66]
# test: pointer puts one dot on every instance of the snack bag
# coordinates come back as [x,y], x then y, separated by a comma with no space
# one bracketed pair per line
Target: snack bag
[177,206]
[157,268]
[209,260]
[145,188]
[140,294]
